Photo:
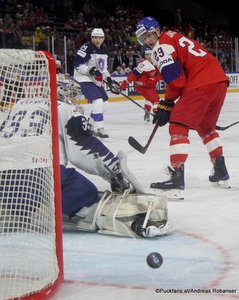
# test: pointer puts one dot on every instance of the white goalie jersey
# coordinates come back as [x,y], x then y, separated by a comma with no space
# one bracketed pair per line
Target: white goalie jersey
[79,147]
[27,119]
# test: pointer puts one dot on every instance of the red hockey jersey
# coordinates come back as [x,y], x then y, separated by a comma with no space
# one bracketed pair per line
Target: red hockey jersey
[184,64]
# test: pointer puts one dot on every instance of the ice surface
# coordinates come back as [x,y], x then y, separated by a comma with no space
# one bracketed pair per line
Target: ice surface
[203,252]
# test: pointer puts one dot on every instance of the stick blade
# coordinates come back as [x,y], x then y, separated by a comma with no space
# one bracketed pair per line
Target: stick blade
[222,128]
[136,145]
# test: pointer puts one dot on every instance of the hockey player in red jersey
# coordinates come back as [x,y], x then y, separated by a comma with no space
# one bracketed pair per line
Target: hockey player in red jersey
[195,92]
[145,77]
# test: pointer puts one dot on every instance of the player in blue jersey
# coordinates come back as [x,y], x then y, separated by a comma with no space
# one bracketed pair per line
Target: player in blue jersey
[91,70]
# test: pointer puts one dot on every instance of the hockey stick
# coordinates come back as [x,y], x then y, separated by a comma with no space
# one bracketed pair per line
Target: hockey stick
[226,127]
[136,145]
[142,149]
[221,128]
[118,92]
[126,96]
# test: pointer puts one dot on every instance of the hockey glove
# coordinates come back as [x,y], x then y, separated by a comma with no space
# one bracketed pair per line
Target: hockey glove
[123,85]
[113,86]
[117,181]
[96,73]
[162,114]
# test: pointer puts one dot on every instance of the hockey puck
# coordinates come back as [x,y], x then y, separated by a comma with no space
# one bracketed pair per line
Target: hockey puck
[154,260]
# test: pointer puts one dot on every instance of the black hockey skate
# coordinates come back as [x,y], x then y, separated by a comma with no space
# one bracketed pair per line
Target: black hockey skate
[176,180]
[219,174]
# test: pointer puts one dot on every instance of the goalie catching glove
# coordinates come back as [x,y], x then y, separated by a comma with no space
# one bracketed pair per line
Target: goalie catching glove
[163,112]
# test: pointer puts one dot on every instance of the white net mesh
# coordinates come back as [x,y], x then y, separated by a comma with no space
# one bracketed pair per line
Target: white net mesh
[27,225]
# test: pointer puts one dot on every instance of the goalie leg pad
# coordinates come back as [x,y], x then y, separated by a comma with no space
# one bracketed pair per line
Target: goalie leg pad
[89,222]
[119,211]
[115,213]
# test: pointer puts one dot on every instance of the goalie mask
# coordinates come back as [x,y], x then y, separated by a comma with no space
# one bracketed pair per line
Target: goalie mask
[67,89]
[147,24]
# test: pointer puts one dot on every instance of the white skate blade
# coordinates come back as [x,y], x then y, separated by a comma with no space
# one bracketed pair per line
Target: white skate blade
[222,184]
[172,195]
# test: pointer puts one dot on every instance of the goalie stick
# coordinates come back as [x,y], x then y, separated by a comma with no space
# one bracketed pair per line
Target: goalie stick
[136,145]
[222,128]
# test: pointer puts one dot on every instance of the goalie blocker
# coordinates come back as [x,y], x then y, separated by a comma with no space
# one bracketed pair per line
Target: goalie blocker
[128,215]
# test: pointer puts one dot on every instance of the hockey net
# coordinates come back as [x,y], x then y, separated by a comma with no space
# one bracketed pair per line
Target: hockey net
[30,202]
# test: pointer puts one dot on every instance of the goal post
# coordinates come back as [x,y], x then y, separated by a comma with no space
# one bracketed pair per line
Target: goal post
[30,190]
